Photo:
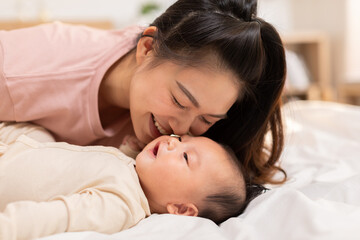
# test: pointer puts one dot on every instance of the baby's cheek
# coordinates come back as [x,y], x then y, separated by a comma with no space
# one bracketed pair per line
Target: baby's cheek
[165,177]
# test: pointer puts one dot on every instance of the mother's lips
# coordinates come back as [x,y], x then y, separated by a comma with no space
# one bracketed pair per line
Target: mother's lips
[153,130]
[159,127]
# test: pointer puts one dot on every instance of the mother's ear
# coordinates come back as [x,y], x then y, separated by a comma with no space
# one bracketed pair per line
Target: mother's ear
[185,209]
[145,44]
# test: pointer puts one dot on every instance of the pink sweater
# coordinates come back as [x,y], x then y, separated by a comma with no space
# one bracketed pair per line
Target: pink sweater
[50,75]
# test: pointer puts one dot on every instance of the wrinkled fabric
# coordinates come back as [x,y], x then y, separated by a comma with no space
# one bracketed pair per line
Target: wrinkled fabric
[53,187]
[320,201]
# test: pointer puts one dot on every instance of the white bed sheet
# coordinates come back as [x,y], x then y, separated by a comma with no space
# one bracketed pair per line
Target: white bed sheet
[321,200]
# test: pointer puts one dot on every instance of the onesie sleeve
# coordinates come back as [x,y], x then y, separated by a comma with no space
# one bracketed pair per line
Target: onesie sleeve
[10,131]
[91,210]
[100,211]
[30,220]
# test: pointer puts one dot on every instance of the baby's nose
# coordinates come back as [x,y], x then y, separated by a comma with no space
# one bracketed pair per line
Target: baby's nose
[172,143]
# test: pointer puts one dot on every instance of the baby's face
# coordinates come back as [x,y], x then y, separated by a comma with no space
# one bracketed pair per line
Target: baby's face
[174,170]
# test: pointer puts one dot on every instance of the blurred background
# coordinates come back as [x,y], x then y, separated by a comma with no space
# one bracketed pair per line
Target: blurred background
[321,36]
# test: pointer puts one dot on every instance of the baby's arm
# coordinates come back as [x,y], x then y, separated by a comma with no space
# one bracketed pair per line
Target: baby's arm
[10,131]
[91,210]
[29,220]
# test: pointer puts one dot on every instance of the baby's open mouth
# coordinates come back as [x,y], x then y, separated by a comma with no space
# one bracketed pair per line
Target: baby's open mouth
[156,148]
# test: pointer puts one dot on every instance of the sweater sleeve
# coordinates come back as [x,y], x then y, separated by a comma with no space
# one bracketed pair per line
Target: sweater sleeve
[91,210]
[7,105]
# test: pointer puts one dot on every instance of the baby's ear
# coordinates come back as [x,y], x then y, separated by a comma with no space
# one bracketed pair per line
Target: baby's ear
[185,209]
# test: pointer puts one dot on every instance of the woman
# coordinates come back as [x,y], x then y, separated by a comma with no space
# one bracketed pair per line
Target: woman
[203,67]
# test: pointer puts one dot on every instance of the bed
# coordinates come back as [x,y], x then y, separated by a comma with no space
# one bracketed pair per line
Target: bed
[321,199]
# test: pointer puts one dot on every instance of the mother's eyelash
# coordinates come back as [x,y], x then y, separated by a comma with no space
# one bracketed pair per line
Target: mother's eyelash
[176,102]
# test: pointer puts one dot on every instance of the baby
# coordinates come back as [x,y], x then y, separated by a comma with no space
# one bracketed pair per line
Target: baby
[51,187]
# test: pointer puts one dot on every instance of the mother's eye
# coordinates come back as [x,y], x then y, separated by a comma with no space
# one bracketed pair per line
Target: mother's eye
[204,120]
[176,102]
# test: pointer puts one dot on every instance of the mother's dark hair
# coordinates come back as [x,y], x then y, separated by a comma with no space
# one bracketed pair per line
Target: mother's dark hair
[251,48]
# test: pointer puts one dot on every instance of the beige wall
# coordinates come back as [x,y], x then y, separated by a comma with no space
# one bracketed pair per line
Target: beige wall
[352,46]
[120,12]
[328,16]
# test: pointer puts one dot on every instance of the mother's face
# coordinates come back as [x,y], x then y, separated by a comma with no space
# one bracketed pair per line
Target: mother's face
[176,99]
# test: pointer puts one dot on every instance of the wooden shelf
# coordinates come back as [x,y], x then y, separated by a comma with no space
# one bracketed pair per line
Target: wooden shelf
[311,93]
[314,48]
[349,92]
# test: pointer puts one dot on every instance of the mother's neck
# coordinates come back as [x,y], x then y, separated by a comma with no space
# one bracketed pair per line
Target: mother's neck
[115,86]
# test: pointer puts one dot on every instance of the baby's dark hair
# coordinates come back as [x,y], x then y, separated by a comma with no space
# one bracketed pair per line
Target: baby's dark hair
[230,201]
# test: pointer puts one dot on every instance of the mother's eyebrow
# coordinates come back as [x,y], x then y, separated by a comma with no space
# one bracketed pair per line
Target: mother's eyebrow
[188,95]
[221,116]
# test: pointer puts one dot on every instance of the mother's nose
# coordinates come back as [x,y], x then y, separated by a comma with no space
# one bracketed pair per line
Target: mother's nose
[181,125]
